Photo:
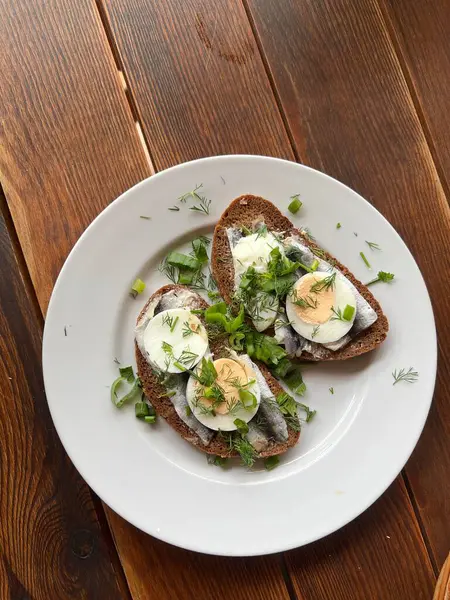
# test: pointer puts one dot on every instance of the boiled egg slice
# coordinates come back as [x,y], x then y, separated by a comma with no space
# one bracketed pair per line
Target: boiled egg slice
[175,340]
[234,394]
[253,251]
[321,307]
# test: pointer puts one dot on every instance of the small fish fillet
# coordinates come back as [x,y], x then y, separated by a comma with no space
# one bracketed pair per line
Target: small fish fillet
[178,383]
[257,438]
[268,407]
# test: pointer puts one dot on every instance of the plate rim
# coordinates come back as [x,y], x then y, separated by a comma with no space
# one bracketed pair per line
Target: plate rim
[279,547]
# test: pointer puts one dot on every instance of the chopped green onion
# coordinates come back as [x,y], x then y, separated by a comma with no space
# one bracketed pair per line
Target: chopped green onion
[348,313]
[137,288]
[295,205]
[314,265]
[150,419]
[218,461]
[141,410]
[338,226]
[241,426]
[236,341]
[199,248]
[186,276]
[183,261]
[248,399]
[119,402]
[172,328]
[271,462]
[127,373]
[366,262]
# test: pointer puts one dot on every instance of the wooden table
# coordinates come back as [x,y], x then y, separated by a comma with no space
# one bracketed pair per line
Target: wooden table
[96,97]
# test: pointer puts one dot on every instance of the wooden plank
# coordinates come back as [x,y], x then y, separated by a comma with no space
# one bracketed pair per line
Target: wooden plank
[70,145]
[164,62]
[421,30]
[350,113]
[197,79]
[158,571]
[51,544]
[398,569]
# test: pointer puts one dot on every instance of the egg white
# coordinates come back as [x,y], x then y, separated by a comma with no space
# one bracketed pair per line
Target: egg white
[333,329]
[253,251]
[158,331]
[222,422]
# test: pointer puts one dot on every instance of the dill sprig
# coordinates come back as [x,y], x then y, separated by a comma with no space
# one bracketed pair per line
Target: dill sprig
[373,246]
[382,276]
[245,450]
[338,316]
[315,331]
[324,284]
[174,208]
[306,302]
[187,331]
[168,270]
[331,390]
[410,376]
[192,194]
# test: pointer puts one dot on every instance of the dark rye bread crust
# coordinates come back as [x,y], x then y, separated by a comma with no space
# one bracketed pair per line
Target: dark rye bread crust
[244,211]
[154,391]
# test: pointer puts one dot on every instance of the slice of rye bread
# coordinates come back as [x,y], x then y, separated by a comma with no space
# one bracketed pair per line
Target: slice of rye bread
[154,390]
[247,209]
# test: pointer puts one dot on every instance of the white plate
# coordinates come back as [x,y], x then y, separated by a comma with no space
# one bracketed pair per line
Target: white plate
[346,457]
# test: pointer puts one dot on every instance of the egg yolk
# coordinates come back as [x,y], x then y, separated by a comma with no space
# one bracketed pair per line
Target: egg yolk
[230,375]
[316,306]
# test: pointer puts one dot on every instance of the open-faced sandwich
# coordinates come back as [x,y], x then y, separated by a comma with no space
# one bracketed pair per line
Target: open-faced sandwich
[220,401]
[316,307]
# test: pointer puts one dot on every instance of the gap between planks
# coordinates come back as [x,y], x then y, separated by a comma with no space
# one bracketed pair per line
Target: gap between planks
[115,55]
[31,294]
[409,80]
[416,105]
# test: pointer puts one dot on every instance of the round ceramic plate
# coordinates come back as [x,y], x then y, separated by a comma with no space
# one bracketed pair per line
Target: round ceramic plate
[351,451]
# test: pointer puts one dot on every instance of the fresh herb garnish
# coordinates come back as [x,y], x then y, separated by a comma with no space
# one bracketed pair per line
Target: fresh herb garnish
[150,419]
[410,376]
[145,217]
[168,270]
[338,225]
[315,331]
[241,426]
[192,194]
[126,376]
[382,276]
[287,404]
[137,288]
[183,261]
[199,249]
[324,284]
[188,410]
[203,207]
[187,331]
[141,410]
[343,315]
[245,450]
[373,246]
[217,461]
[187,358]
[309,413]
[271,462]
[174,208]
[366,262]
[295,204]
[305,301]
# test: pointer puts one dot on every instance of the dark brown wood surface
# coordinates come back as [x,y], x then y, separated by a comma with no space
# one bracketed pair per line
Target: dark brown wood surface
[70,141]
[351,115]
[51,543]
[321,82]
[421,32]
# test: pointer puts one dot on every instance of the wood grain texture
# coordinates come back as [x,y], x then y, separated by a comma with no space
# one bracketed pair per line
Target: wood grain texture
[51,545]
[397,568]
[69,143]
[163,572]
[197,78]
[349,109]
[421,30]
